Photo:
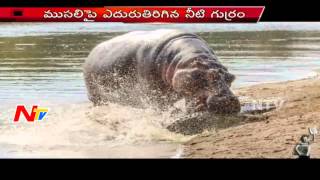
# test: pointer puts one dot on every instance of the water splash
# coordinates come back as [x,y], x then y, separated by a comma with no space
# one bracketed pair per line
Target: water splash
[76,130]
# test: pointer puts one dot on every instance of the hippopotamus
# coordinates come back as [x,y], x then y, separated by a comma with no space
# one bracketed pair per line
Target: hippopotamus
[159,67]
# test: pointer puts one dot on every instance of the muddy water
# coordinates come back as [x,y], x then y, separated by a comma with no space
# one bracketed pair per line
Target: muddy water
[46,70]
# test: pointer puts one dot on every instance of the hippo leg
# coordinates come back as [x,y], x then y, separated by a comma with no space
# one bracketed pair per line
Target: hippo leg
[92,89]
[123,90]
[167,102]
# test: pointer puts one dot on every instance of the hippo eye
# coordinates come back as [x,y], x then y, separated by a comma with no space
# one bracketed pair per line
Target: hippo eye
[199,64]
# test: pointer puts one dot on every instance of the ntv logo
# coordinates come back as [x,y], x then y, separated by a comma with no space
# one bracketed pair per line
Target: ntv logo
[36,113]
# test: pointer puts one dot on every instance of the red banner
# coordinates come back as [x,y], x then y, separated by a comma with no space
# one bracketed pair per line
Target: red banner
[135,14]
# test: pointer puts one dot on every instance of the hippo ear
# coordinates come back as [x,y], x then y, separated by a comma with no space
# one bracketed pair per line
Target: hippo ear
[230,77]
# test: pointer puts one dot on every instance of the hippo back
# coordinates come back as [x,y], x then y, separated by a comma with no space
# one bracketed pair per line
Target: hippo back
[132,54]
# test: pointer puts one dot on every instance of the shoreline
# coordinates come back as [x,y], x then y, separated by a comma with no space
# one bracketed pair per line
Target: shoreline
[273,136]
[36,29]
[312,74]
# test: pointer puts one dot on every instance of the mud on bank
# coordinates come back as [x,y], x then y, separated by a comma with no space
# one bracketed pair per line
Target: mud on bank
[274,136]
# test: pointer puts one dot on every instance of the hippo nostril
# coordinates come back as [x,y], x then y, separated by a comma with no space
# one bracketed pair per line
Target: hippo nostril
[225,93]
[223,105]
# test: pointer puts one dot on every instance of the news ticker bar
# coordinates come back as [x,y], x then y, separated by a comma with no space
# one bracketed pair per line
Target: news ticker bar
[134,14]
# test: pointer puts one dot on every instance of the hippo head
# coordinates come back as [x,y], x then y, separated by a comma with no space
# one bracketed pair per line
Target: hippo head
[206,87]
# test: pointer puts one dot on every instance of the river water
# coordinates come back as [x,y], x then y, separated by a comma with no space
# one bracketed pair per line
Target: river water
[40,64]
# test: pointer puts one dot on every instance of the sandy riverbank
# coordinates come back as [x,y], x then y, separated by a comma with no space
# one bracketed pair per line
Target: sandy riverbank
[273,136]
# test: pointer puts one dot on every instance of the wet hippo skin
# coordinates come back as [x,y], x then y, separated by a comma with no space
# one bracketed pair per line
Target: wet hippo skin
[159,67]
